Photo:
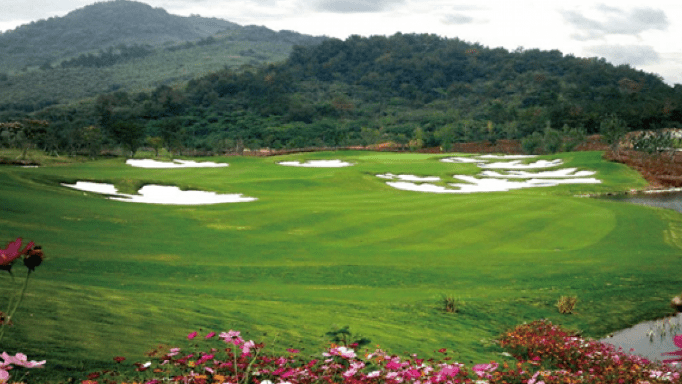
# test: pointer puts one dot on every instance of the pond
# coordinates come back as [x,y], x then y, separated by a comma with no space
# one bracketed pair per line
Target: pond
[670,200]
[651,338]
[648,339]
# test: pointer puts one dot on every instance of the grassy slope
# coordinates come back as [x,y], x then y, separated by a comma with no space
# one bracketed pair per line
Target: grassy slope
[139,75]
[325,248]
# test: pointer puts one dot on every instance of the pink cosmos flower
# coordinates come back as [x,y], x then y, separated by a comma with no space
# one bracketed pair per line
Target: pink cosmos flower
[246,348]
[344,352]
[9,254]
[21,360]
[450,370]
[484,369]
[232,337]
[192,335]
[211,334]
[678,342]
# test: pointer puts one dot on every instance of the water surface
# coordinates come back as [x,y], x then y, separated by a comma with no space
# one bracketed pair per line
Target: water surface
[648,339]
[668,200]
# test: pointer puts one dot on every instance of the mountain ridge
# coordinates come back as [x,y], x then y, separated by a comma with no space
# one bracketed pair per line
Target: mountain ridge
[99,26]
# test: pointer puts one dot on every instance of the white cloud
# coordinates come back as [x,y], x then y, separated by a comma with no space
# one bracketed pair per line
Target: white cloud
[614,21]
[356,6]
[457,19]
[634,55]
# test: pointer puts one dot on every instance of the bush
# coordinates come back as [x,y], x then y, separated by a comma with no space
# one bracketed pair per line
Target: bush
[450,304]
[566,304]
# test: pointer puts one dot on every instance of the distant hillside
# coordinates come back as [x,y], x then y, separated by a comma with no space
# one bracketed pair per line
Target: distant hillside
[414,90]
[127,46]
[100,26]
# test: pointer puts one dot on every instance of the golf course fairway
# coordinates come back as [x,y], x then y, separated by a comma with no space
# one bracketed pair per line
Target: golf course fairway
[323,248]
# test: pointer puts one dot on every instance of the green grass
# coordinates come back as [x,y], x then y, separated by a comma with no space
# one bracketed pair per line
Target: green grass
[322,249]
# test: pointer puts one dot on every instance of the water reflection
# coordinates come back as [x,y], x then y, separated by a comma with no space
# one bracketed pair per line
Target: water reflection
[669,200]
[648,339]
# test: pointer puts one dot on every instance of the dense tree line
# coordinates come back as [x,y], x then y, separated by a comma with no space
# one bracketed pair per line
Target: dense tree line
[111,56]
[416,90]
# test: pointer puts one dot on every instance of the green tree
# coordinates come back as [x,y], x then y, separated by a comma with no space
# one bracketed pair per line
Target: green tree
[24,134]
[446,136]
[172,134]
[128,133]
[552,139]
[93,137]
[417,141]
[572,137]
[532,143]
[613,130]
[155,142]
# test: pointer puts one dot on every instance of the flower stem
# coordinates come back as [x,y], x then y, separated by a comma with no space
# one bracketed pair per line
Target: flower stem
[11,312]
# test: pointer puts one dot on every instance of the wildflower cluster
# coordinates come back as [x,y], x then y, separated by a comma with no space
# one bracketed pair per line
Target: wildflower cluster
[32,257]
[20,360]
[546,354]
[564,357]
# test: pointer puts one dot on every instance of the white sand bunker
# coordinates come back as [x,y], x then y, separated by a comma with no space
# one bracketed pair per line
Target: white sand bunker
[507,157]
[496,181]
[317,164]
[517,164]
[390,176]
[566,172]
[465,160]
[426,187]
[475,185]
[87,186]
[149,163]
[160,194]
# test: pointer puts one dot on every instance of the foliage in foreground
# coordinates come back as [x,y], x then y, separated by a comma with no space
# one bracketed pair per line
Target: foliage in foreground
[545,353]
[32,257]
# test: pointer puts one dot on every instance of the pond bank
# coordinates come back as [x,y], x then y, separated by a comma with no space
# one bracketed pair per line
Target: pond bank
[648,339]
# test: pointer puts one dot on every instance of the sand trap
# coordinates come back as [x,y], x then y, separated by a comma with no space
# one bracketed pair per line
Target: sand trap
[469,160]
[407,186]
[507,157]
[566,172]
[317,164]
[149,163]
[159,194]
[476,185]
[516,164]
[502,185]
[103,188]
[391,176]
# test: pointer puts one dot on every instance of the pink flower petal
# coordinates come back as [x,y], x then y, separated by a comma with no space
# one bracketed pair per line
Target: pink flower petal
[678,341]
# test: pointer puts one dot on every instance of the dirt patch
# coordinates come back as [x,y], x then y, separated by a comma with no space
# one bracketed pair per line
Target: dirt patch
[661,171]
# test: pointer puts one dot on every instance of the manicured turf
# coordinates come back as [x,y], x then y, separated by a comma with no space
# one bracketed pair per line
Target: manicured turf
[322,249]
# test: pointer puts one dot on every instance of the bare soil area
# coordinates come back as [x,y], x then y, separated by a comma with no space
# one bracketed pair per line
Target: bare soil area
[661,171]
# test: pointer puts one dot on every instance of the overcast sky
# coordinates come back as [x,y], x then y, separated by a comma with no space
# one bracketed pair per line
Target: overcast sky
[645,34]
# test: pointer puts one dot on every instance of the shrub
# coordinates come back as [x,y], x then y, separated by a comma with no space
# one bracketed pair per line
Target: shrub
[566,304]
[450,304]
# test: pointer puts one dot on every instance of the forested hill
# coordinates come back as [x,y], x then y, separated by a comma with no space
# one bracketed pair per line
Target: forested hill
[421,90]
[99,26]
[128,46]
[489,84]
